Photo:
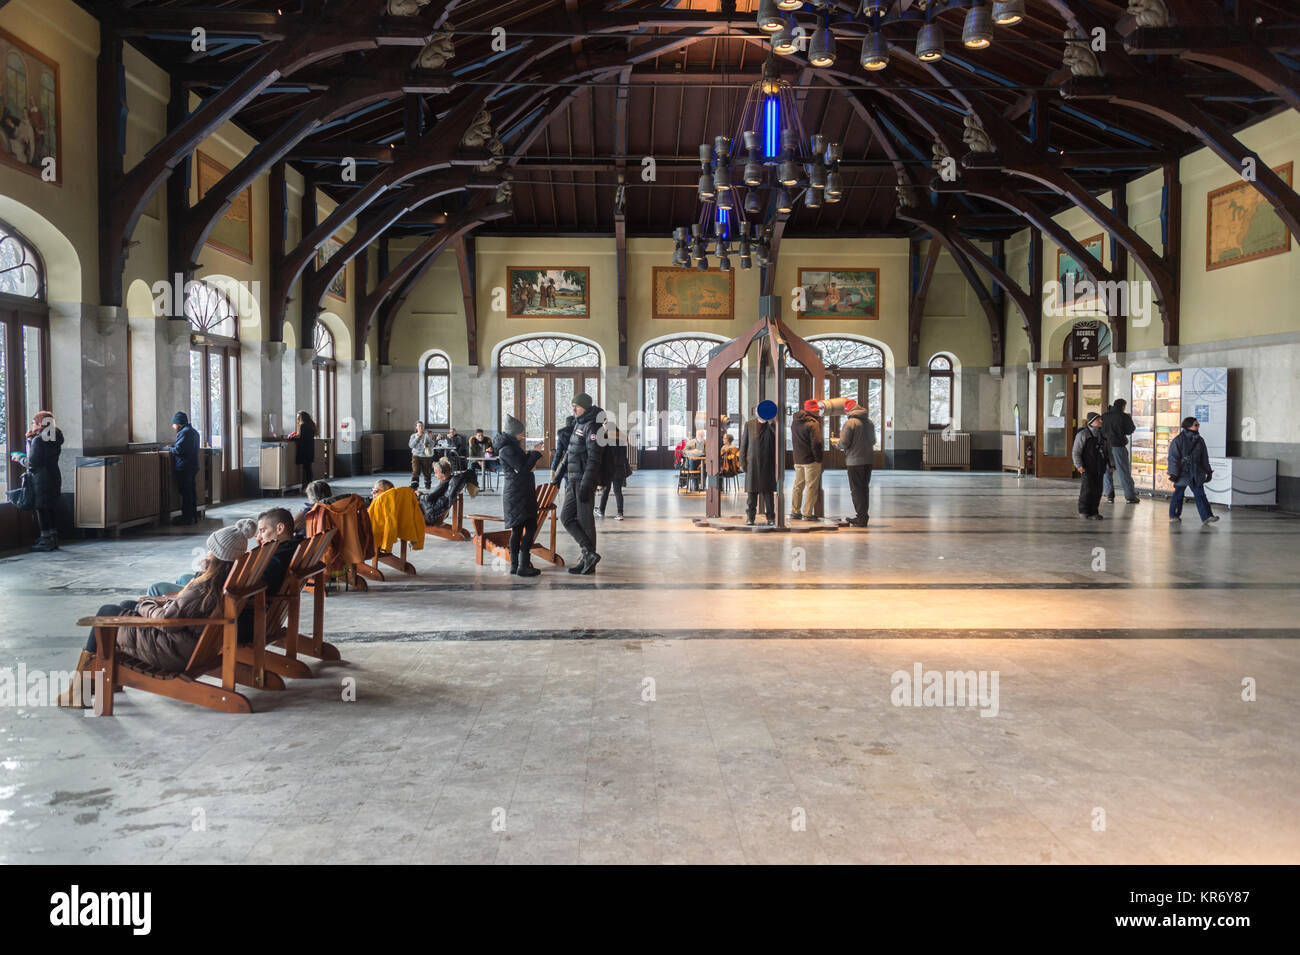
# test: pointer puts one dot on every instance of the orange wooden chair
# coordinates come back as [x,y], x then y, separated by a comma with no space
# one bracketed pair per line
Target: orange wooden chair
[498,542]
[215,654]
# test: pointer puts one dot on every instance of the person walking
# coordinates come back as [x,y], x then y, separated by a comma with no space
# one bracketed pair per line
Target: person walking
[44,445]
[1116,425]
[518,494]
[1091,461]
[582,462]
[758,455]
[620,470]
[807,448]
[422,454]
[1189,468]
[304,438]
[858,442]
[185,462]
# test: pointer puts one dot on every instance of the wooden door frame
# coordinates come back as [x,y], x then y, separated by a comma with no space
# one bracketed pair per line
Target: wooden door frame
[17,527]
[548,375]
[1041,467]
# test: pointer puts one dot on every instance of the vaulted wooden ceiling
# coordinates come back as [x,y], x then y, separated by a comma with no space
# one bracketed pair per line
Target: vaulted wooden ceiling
[579,91]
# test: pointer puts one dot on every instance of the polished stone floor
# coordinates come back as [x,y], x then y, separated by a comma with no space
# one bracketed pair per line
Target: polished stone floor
[715,696]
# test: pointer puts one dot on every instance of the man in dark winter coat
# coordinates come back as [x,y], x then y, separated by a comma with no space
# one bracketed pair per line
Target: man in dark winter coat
[1189,468]
[1091,461]
[807,448]
[758,457]
[858,442]
[44,445]
[582,464]
[1116,426]
[185,458]
[562,443]
[518,495]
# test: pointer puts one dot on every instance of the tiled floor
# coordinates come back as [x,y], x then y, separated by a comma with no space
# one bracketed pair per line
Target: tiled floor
[714,697]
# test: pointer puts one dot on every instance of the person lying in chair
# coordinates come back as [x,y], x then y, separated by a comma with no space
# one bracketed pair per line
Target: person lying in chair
[436,503]
[170,650]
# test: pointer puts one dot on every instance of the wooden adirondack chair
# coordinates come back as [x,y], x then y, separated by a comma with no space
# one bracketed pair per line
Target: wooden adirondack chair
[452,529]
[388,557]
[498,542]
[283,613]
[216,652]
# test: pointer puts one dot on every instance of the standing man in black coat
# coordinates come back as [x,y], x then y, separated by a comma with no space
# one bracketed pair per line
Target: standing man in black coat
[44,445]
[562,442]
[1189,467]
[1091,461]
[518,495]
[185,460]
[758,457]
[582,463]
[1116,425]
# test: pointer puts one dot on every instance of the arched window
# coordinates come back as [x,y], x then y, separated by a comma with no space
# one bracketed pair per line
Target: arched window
[21,270]
[673,396]
[537,380]
[324,380]
[214,379]
[854,369]
[24,351]
[941,391]
[436,392]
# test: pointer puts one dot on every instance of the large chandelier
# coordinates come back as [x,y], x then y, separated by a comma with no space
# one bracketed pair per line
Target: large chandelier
[762,171]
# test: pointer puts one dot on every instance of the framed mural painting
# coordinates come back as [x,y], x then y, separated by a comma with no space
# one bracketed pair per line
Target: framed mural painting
[233,233]
[1241,226]
[690,293]
[1077,294]
[548,292]
[30,136]
[840,293]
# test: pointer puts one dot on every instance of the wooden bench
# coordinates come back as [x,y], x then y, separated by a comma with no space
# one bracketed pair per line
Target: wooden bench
[283,614]
[216,653]
[498,542]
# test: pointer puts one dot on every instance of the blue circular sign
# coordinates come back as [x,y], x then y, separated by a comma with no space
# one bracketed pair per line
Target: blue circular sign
[767,410]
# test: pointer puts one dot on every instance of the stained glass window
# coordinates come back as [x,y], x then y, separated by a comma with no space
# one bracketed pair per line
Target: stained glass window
[680,353]
[324,343]
[941,382]
[437,392]
[554,352]
[843,353]
[21,272]
[209,311]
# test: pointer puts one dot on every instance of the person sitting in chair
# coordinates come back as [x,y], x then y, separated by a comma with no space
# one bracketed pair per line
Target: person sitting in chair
[436,503]
[317,492]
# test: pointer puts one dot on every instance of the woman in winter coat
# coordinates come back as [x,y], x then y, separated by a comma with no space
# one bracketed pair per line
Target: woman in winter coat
[171,649]
[518,495]
[622,470]
[305,439]
[44,445]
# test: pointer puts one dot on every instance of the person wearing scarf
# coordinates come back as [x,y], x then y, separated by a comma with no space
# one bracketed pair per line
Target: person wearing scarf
[44,445]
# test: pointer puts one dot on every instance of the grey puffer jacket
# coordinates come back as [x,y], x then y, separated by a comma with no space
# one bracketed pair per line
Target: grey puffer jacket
[858,438]
[168,650]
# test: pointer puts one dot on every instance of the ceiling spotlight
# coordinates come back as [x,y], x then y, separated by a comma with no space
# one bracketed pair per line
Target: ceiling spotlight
[977,34]
[753,206]
[706,187]
[769,17]
[929,43]
[783,201]
[783,41]
[812,198]
[817,176]
[1007,13]
[821,49]
[834,187]
[746,262]
[722,178]
[876,7]
[724,263]
[789,4]
[875,51]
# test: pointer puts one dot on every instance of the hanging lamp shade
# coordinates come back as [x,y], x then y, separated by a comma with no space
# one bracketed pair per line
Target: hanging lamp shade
[821,49]
[753,205]
[977,34]
[789,4]
[1007,13]
[812,198]
[929,43]
[783,201]
[783,41]
[769,16]
[875,51]
[875,7]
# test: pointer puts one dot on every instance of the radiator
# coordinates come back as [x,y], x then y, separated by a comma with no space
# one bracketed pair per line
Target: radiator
[936,452]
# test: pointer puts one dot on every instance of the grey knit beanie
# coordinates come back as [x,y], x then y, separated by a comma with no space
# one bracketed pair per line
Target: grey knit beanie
[231,543]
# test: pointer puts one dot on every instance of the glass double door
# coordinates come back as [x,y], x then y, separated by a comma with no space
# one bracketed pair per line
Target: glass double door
[675,407]
[542,400]
[214,409]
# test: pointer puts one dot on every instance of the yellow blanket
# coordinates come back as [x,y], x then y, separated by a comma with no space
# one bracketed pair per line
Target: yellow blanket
[395,515]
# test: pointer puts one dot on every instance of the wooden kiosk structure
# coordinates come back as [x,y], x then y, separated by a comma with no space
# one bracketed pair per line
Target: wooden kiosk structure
[777,339]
